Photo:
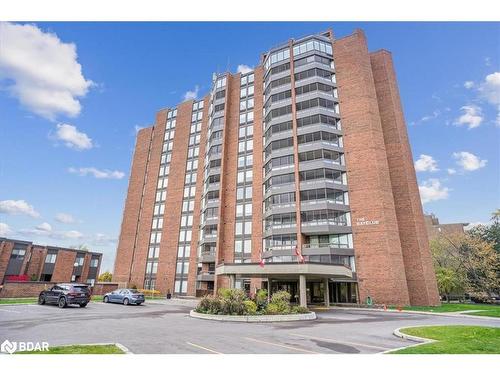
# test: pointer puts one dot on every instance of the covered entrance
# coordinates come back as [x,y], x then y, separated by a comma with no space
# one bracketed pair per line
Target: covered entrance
[307,283]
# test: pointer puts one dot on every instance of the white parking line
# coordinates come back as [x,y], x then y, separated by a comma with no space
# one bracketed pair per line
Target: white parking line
[341,342]
[14,311]
[202,347]
[282,346]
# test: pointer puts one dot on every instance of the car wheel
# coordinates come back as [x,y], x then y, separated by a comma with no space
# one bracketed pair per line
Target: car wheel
[125,301]
[62,303]
[106,299]
[83,304]
[41,300]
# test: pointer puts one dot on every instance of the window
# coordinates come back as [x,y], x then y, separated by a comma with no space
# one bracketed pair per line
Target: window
[335,156]
[219,107]
[279,180]
[94,262]
[318,119]
[17,254]
[280,199]
[313,58]
[279,144]
[277,83]
[319,136]
[278,97]
[277,112]
[220,95]
[312,45]
[314,72]
[51,258]
[279,162]
[316,86]
[316,102]
[276,57]
[278,128]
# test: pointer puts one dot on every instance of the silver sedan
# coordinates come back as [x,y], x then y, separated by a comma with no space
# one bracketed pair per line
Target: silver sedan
[124,296]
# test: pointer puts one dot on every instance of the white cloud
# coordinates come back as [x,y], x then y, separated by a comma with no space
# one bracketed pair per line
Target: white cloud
[469,161]
[5,230]
[472,116]
[469,84]
[189,95]
[46,230]
[73,138]
[243,69]
[426,163]
[432,190]
[97,173]
[19,207]
[42,71]
[65,218]
[44,227]
[490,88]
[100,239]
[451,171]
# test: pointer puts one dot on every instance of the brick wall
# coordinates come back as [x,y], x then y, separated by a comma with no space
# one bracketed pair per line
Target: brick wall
[5,252]
[419,270]
[379,259]
[33,288]
[128,231]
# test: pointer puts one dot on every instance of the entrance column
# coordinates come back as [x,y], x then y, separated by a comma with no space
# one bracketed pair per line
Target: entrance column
[327,292]
[232,281]
[302,291]
[269,288]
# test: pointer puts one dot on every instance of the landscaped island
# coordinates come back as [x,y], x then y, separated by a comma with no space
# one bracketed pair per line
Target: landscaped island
[235,302]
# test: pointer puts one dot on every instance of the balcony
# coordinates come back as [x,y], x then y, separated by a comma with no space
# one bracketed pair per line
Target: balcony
[206,276]
[327,248]
[207,257]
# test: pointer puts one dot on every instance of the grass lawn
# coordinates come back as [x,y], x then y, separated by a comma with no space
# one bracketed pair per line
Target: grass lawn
[488,310]
[455,340]
[80,349]
[8,301]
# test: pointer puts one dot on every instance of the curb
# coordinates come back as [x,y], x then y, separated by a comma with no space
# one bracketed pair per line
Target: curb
[254,318]
[418,340]
[451,315]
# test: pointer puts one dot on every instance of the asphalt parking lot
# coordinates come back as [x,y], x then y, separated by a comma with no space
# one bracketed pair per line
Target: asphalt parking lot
[167,328]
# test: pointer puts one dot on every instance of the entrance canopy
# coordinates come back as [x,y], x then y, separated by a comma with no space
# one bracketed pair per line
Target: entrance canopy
[278,270]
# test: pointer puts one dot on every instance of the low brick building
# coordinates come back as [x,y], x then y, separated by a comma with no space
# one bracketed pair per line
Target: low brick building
[24,261]
[436,229]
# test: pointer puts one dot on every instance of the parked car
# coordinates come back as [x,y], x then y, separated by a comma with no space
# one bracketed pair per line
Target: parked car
[65,294]
[125,296]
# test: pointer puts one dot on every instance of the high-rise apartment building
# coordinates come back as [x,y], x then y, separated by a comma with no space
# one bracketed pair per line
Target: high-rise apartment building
[297,175]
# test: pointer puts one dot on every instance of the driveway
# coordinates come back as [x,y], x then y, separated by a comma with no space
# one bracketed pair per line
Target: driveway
[167,328]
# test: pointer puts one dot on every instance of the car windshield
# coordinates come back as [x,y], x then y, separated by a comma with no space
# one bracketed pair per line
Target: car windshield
[133,291]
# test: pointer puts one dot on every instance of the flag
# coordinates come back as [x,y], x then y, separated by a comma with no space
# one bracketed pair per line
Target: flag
[262,262]
[298,253]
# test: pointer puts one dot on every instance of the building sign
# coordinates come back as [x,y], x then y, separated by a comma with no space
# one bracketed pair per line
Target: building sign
[364,221]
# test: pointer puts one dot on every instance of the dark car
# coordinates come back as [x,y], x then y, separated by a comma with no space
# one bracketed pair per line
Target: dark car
[125,296]
[66,294]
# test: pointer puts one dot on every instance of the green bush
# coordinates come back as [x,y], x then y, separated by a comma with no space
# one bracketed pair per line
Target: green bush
[299,310]
[261,299]
[272,309]
[250,307]
[224,292]
[282,301]
[209,305]
[232,301]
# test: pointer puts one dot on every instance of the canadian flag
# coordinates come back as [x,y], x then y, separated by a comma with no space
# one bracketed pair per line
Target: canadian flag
[298,253]
[262,262]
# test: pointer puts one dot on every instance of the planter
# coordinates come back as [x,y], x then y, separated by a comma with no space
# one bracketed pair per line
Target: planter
[254,318]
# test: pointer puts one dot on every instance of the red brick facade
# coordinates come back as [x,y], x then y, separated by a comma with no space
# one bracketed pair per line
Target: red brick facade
[393,263]
[33,263]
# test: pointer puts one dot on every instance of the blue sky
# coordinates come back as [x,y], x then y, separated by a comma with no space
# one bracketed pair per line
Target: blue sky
[68,114]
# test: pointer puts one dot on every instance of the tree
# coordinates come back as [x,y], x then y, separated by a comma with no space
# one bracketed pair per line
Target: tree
[448,281]
[105,277]
[488,233]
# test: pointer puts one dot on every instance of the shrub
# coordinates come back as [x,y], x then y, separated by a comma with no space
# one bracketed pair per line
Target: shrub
[282,301]
[272,309]
[209,305]
[224,292]
[299,310]
[232,301]
[261,299]
[250,307]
